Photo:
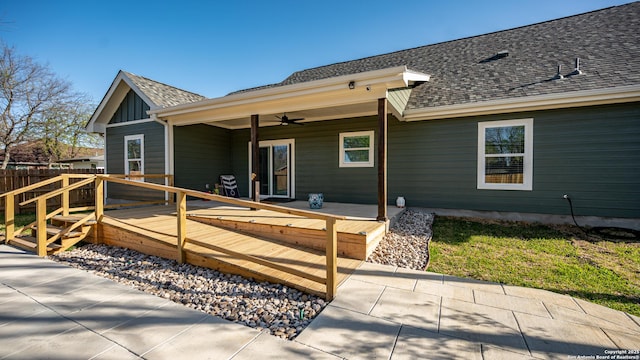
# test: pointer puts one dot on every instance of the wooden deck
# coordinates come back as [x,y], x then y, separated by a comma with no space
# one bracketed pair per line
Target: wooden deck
[286,240]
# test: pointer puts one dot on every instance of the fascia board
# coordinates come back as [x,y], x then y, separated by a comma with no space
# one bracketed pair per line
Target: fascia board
[391,78]
[530,103]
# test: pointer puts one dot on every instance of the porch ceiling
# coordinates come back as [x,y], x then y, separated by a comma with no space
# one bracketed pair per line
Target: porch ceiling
[334,98]
[309,115]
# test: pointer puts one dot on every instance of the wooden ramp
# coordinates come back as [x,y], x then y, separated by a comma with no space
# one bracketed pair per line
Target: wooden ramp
[152,230]
[356,238]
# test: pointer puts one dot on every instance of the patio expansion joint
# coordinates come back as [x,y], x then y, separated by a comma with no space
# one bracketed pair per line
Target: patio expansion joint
[524,338]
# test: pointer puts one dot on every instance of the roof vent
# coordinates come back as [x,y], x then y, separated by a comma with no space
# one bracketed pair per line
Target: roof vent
[497,56]
[576,70]
[558,74]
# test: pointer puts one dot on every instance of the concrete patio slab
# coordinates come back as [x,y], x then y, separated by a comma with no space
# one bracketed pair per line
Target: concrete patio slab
[474,284]
[111,313]
[416,343]
[83,298]
[481,323]
[350,335]
[381,312]
[514,303]
[550,338]
[617,321]
[611,316]
[65,346]
[19,308]
[444,290]
[624,340]
[212,338]
[267,347]
[410,308]
[116,352]
[383,275]
[547,297]
[31,331]
[497,353]
[155,327]
[358,295]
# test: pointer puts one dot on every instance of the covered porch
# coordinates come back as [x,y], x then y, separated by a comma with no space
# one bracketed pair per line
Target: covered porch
[295,159]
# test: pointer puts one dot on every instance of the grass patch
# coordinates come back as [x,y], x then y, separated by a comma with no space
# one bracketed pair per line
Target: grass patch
[20,220]
[555,258]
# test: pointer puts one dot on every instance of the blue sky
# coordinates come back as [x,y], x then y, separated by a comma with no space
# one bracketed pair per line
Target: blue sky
[215,47]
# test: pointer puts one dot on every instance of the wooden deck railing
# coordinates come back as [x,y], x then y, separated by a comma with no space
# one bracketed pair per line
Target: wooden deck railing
[181,226]
[42,216]
[98,181]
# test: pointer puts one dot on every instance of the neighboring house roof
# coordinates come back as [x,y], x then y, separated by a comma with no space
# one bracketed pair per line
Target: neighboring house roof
[96,158]
[471,70]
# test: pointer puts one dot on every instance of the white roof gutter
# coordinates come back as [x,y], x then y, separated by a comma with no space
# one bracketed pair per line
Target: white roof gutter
[613,95]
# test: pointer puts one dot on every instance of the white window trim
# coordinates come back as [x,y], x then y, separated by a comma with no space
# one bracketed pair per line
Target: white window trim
[126,153]
[527,184]
[369,163]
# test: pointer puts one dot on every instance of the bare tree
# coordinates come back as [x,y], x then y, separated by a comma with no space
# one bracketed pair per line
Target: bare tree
[28,91]
[62,128]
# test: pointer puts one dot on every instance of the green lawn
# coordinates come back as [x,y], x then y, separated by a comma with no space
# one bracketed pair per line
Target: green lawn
[559,258]
[20,220]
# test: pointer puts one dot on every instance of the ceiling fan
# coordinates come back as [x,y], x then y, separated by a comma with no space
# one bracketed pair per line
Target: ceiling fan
[284,120]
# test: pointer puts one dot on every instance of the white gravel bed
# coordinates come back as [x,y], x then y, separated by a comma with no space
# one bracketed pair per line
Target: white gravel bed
[407,242]
[281,310]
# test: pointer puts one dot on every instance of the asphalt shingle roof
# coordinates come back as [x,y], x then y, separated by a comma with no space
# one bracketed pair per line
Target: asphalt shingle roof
[462,71]
[163,95]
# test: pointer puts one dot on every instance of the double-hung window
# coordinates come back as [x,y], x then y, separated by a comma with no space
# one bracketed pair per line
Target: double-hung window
[356,149]
[134,155]
[505,155]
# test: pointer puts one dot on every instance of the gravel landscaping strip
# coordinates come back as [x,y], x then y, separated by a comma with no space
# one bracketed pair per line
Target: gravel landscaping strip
[407,243]
[281,310]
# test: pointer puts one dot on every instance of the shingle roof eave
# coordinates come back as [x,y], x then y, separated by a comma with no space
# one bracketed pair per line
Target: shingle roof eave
[605,40]
[163,95]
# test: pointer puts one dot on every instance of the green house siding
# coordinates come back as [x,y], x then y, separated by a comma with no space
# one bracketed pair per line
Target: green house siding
[202,154]
[131,108]
[591,154]
[316,155]
[154,157]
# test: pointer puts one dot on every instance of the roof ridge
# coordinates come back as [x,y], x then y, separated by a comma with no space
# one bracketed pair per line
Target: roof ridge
[161,83]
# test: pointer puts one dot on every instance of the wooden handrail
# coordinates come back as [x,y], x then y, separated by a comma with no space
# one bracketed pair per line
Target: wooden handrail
[224,199]
[32,186]
[58,191]
[45,182]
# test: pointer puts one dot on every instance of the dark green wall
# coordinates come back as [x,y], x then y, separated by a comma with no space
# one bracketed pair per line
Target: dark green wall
[153,156]
[317,170]
[592,154]
[131,108]
[202,154]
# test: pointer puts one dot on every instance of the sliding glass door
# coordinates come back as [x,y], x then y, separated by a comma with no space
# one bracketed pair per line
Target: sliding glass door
[276,168]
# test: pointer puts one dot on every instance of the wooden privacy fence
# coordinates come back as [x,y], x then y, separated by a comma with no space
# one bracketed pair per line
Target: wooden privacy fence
[11,180]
